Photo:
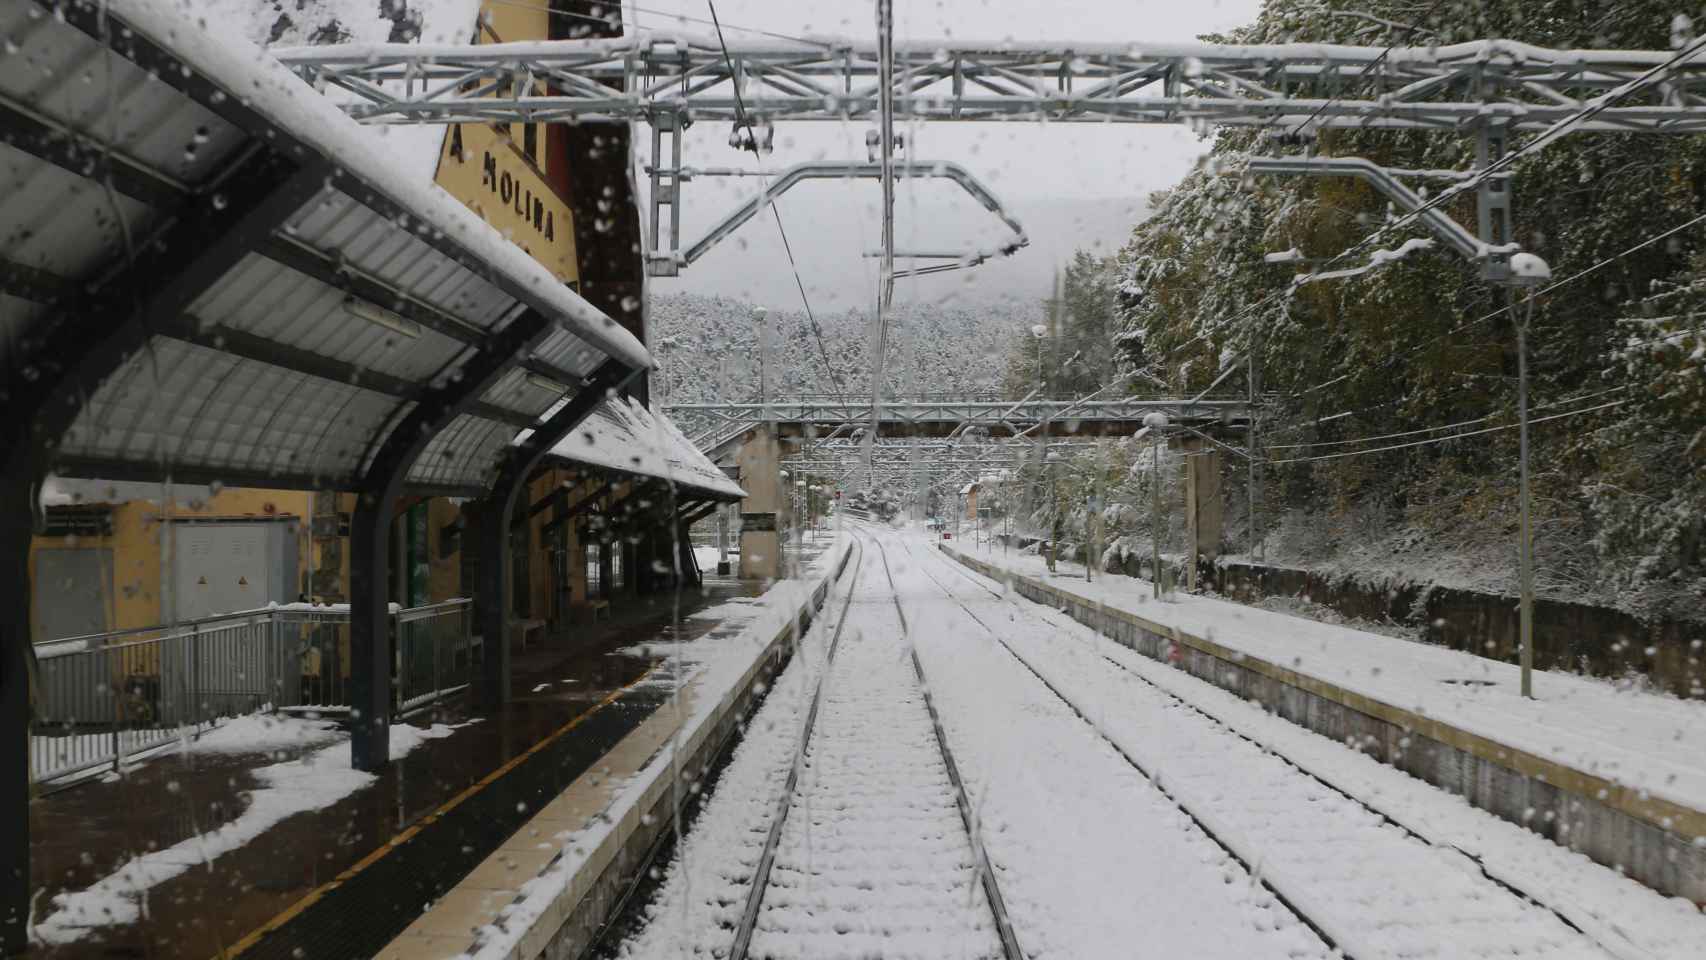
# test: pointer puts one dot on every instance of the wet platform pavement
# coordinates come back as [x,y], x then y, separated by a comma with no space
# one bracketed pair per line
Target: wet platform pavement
[342,880]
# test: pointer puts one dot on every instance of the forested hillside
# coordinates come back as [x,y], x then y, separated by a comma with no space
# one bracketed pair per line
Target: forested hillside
[1371,376]
[708,347]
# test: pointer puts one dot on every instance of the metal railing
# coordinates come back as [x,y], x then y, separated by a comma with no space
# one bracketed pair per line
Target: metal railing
[435,652]
[104,698]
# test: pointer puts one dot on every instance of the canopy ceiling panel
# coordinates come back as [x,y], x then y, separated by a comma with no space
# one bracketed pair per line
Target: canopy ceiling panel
[570,353]
[63,77]
[461,455]
[55,221]
[516,390]
[224,416]
[282,306]
[226,280]
[16,314]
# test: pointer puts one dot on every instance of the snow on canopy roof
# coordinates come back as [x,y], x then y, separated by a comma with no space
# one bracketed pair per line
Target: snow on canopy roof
[622,435]
[968,488]
[233,63]
[414,147]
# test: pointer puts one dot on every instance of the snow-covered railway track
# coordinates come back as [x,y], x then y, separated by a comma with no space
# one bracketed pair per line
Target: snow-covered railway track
[1365,884]
[864,855]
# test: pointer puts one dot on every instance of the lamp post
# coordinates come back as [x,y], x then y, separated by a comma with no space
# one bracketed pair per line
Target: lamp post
[803,507]
[1053,460]
[1038,332]
[1154,424]
[1528,272]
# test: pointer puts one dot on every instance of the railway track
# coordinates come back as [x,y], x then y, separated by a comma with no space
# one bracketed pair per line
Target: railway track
[1488,907]
[865,792]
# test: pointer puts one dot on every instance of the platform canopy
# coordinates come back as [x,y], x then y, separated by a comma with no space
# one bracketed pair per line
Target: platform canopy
[211,274]
[623,437]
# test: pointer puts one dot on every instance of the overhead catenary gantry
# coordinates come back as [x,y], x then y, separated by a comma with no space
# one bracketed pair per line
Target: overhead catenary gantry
[822,418]
[1490,89]
[651,75]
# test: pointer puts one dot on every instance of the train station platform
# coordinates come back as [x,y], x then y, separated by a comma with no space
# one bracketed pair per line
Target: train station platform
[259,840]
[1609,772]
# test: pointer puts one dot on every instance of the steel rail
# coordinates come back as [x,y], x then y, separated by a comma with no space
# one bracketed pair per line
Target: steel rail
[773,840]
[1043,610]
[992,890]
[1251,868]
[599,941]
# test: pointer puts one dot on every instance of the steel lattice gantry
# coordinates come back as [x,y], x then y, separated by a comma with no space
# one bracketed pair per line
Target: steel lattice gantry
[209,274]
[1490,89]
[822,416]
[650,75]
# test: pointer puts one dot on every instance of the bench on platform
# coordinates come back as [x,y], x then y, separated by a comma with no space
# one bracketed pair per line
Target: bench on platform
[526,630]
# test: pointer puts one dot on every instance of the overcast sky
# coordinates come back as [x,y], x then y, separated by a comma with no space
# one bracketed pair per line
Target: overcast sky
[1069,185]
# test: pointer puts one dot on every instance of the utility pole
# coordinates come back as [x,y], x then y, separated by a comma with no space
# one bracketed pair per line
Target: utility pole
[1527,271]
[885,291]
[1155,424]
[1255,459]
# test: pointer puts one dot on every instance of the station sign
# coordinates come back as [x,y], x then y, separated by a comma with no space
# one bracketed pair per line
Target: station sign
[750,522]
[485,169]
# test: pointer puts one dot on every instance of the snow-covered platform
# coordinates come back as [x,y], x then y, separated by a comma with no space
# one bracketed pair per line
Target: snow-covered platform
[304,856]
[1618,775]
[549,887]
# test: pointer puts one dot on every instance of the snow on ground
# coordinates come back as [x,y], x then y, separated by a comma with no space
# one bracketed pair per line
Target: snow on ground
[1375,890]
[313,782]
[874,860]
[1091,856]
[711,666]
[271,734]
[1649,741]
[707,557]
[414,148]
[704,886]
[1609,906]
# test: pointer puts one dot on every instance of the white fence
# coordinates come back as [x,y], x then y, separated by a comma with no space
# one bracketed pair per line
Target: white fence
[103,698]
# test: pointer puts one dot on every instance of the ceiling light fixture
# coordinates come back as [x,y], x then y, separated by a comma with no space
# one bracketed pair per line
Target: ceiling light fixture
[396,323]
[546,383]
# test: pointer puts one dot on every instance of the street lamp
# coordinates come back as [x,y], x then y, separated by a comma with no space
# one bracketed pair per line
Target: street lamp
[1527,271]
[1052,458]
[1154,424]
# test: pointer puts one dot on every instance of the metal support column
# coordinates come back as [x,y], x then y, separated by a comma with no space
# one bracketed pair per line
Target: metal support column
[16,668]
[661,260]
[370,627]
[1493,199]
[496,559]
[370,660]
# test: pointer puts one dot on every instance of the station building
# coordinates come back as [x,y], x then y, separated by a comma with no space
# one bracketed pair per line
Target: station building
[115,554]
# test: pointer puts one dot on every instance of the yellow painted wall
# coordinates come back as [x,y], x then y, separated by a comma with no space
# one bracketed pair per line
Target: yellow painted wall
[444,571]
[137,551]
[497,170]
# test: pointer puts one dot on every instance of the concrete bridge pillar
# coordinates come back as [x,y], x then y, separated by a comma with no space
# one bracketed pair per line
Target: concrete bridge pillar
[759,458]
[1204,510]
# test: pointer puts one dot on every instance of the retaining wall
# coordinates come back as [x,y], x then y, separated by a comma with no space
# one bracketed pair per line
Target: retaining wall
[1568,637]
[1649,839]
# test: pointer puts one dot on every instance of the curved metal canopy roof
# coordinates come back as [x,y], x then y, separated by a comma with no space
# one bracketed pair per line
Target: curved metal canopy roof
[207,272]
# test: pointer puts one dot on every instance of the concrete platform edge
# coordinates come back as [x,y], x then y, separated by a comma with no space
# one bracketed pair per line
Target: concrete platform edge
[567,926]
[1644,837]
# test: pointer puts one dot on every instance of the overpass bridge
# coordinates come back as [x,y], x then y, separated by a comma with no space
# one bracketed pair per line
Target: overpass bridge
[823,417]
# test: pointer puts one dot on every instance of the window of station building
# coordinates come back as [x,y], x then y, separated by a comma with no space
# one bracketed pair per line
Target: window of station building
[594,570]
